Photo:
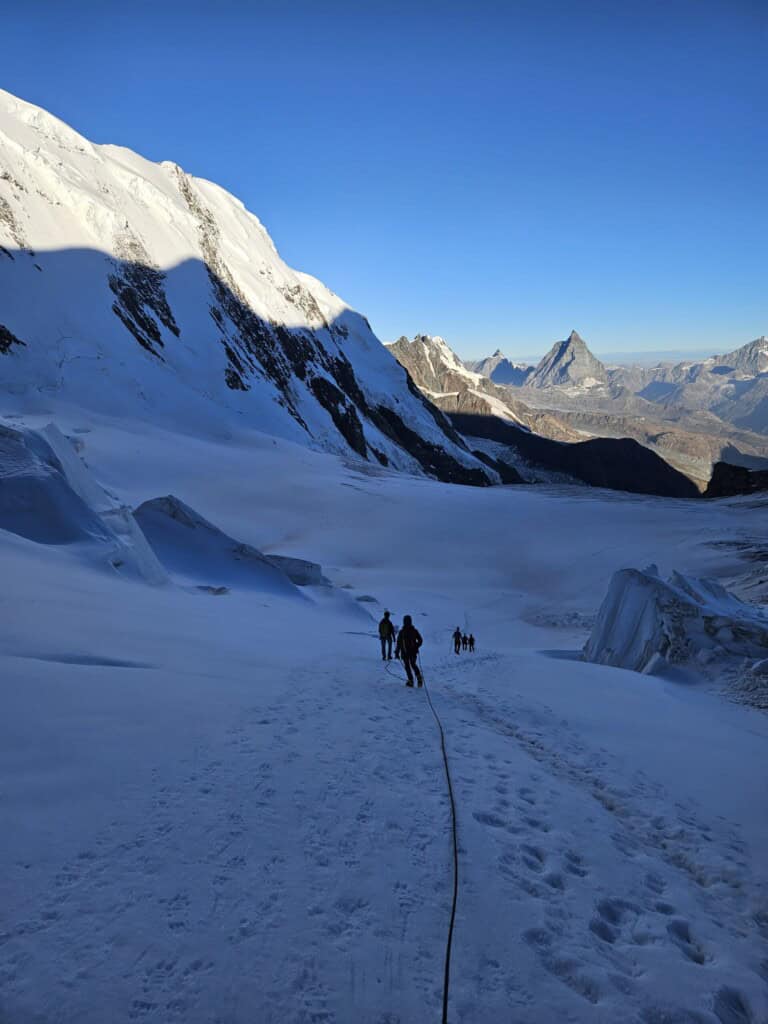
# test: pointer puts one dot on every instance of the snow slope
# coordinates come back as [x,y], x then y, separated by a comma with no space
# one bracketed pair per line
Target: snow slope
[136,289]
[222,808]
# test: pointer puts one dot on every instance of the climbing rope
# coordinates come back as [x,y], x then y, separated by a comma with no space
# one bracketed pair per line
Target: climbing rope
[455,897]
[454,836]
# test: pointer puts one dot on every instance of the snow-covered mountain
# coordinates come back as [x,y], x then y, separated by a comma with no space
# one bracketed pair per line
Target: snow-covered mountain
[135,288]
[501,370]
[569,363]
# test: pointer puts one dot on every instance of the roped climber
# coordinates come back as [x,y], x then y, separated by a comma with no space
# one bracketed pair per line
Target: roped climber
[386,635]
[457,640]
[409,641]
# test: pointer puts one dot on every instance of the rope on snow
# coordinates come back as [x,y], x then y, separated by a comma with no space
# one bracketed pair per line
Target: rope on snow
[454,836]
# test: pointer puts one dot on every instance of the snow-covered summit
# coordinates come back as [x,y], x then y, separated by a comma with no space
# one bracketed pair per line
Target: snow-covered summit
[135,288]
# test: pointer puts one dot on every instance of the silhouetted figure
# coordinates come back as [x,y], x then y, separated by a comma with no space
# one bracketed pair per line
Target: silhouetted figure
[386,635]
[464,642]
[457,640]
[471,642]
[408,643]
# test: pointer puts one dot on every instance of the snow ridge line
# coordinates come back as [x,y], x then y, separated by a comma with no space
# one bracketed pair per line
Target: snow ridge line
[455,899]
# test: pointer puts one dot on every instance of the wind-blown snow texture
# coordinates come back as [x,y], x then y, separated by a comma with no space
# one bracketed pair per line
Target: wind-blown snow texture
[219,807]
[133,287]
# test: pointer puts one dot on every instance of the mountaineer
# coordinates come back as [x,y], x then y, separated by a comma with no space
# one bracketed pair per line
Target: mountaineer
[409,641]
[386,635]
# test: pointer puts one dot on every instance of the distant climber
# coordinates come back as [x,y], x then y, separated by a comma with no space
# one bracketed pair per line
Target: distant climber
[386,635]
[471,642]
[457,640]
[464,642]
[408,643]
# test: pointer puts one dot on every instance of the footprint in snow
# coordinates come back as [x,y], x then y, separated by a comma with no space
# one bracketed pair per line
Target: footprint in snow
[533,857]
[574,864]
[680,933]
[489,819]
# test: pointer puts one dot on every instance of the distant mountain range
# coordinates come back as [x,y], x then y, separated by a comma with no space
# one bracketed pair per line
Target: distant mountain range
[692,414]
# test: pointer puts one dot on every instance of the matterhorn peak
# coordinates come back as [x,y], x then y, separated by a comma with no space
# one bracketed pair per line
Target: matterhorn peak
[569,363]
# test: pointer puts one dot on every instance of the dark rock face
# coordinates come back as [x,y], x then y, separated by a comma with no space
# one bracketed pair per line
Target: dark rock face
[431,364]
[7,338]
[283,355]
[432,459]
[508,474]
[618,464]
[728,481]
[568,362]
[139,290]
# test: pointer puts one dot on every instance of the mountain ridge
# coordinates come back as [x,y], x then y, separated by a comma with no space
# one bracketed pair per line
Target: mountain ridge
[133,285]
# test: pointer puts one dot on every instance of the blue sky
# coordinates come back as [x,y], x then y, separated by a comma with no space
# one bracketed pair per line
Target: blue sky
[497,173]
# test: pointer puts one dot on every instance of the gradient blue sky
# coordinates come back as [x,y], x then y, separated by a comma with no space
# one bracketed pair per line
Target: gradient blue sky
[497,173]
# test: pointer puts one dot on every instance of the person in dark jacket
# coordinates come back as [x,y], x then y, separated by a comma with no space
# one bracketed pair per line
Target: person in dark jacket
[471,642]
[386,635]
[464,642]
[408,643]
[457,640]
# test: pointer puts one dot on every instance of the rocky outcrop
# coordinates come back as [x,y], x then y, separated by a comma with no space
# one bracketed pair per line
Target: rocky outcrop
[728,481]
[616,463]
[432,364]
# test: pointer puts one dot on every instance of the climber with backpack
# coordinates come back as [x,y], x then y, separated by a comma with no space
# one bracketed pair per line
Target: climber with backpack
[409,640]
[386,635]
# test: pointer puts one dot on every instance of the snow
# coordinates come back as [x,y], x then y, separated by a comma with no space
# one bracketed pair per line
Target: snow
[497,408]
[96,243]
[649,624]
[222,808]
[195,551]
[218,805]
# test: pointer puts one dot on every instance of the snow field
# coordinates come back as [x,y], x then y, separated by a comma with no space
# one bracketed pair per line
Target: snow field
[222,808]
